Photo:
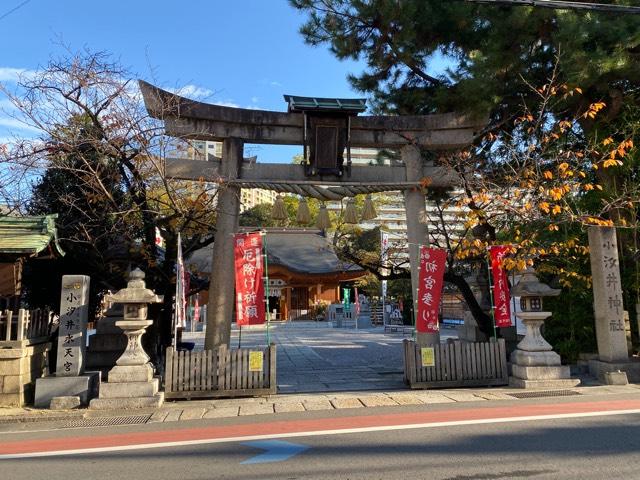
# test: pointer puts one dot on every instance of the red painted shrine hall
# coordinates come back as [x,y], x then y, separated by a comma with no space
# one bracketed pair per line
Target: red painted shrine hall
[303,271]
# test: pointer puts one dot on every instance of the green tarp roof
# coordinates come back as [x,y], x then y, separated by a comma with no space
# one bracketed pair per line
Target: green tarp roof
[28,235]
[299,104]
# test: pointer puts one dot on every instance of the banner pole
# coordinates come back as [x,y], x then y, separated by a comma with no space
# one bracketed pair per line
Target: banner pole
[178,298]
[266,285]
[383,261]
[240,337]
[493,314]
[513,300]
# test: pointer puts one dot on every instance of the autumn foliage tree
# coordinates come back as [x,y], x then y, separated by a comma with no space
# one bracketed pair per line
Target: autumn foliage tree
[98,161]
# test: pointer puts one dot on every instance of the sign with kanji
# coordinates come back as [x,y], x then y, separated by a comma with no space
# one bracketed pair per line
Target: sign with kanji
[256,361]
[432,265]
[72,332]
[428,357]
[501,296]
[249,279]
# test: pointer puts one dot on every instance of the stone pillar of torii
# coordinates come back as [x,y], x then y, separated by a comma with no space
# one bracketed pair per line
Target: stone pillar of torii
[321,126]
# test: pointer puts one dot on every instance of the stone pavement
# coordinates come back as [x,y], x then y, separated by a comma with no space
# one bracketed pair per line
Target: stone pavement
[311,357]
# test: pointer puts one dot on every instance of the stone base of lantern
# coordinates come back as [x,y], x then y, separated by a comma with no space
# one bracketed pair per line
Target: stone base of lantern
[524,358]
[129,386]
[539,370]
[557,384]
[534,364]
[127,403]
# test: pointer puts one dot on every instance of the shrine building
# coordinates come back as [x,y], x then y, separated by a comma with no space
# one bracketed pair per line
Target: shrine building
[303,269]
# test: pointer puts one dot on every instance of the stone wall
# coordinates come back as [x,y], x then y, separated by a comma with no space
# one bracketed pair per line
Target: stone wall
[19,369]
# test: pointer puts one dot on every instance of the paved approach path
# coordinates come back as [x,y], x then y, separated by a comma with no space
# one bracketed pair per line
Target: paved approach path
[312,357]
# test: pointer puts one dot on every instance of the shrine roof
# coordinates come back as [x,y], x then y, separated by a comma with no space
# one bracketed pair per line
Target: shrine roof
[305,252]
[301,104]
[300,251]
[28,235]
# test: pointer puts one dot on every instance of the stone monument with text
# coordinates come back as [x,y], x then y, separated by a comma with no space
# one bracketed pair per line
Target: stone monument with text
[70,380]
[613,353]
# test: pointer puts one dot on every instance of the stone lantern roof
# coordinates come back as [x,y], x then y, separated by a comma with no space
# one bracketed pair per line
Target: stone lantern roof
[530,286]
[136,291]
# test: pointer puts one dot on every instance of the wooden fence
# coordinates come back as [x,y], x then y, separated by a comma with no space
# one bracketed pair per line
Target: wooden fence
[30,326]
[456,364]
[219,373]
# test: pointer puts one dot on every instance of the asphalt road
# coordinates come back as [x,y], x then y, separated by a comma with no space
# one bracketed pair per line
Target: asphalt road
[476,444]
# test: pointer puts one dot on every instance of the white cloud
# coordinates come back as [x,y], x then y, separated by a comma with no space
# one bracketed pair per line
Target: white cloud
[196,92]
[11,74]
[275,84]
[17,124]
[191,91]
[254,99]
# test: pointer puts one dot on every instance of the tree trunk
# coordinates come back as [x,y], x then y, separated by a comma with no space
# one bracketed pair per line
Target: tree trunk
[485,323]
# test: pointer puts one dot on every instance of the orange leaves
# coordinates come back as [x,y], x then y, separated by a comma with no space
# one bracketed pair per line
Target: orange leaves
[593,110]
[524,118]
[564,125]
[548,175]
[564,170]
[610,162]
[481,197]
[544,207]
[557,193]
[597,221]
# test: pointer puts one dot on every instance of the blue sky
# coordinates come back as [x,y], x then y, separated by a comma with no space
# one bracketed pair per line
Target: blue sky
[242,52]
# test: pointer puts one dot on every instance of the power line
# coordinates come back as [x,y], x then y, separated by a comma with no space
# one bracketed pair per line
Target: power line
[562,5]
[14,9]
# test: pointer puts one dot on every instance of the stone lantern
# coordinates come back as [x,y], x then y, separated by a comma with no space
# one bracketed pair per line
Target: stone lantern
[131,382]
[534,363]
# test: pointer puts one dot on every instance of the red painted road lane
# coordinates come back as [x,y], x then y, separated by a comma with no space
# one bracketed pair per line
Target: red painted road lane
[309,425]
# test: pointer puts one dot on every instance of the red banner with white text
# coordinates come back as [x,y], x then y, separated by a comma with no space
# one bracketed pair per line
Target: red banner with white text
[431,274]
[501,296]
[249,279]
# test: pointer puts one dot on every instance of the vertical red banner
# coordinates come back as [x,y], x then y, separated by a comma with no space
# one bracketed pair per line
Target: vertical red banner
[432,265]
[249,279]
[501,296]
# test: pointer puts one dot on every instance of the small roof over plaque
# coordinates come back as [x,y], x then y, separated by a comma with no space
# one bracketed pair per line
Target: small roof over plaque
[317,104]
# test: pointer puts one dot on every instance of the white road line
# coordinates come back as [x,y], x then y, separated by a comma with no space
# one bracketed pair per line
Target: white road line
[317,433]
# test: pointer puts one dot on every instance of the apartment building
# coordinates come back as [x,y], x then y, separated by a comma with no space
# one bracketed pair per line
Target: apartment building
[203,150]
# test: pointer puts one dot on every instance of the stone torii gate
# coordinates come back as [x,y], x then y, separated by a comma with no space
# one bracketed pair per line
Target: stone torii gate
[188,119]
